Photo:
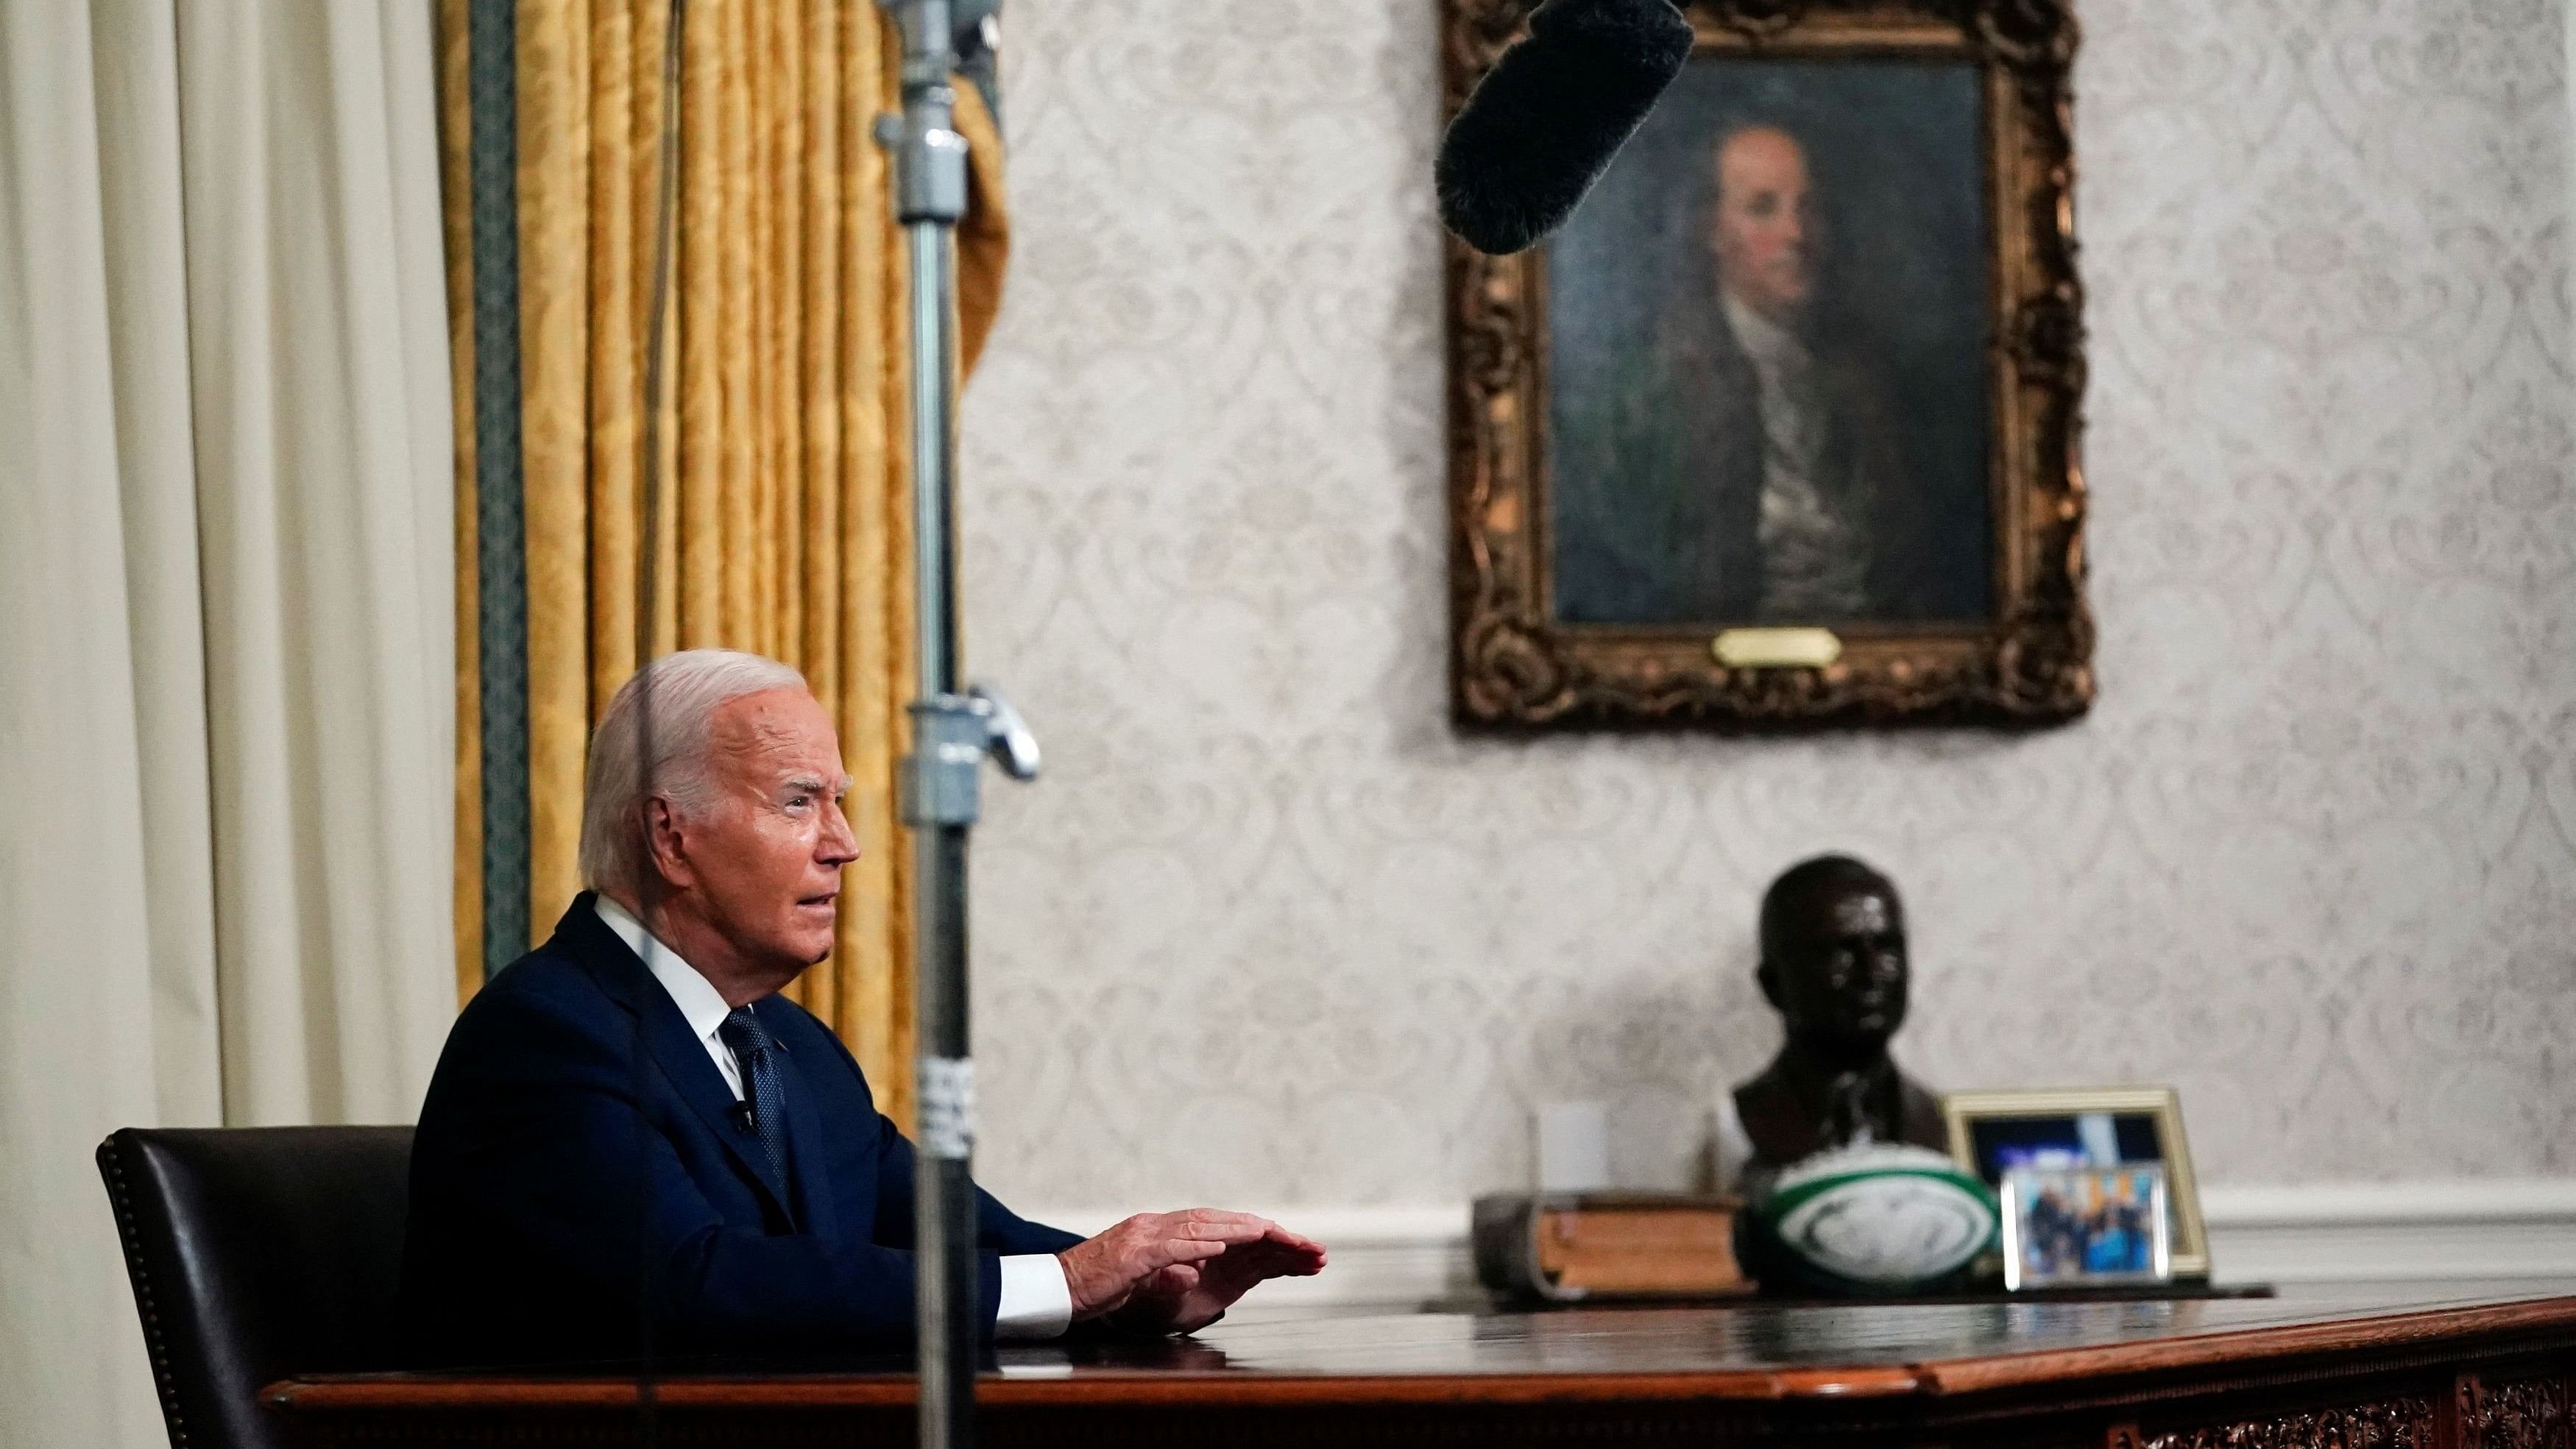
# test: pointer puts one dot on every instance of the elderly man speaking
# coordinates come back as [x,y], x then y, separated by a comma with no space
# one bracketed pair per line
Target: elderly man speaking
[634,1142]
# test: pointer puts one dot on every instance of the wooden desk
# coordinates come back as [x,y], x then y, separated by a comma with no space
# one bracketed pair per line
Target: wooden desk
[2349,1369]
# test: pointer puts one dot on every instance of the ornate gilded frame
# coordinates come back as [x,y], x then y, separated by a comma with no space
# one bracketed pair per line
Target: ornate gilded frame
[2191,1238]
[1512,664]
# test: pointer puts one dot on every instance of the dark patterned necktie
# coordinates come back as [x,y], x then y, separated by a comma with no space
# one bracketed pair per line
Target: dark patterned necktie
[755,1051]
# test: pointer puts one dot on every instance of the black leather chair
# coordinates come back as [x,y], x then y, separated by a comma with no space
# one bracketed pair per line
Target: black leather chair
[258,1252]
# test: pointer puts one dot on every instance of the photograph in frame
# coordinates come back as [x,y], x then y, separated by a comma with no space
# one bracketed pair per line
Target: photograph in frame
[1995,1133]
[2085,1225]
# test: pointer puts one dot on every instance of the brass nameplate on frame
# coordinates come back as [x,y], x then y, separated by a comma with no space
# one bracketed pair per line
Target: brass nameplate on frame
[1776,648]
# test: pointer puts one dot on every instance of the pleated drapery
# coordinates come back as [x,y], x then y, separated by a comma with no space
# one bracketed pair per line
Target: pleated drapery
[785,515]
[224,619]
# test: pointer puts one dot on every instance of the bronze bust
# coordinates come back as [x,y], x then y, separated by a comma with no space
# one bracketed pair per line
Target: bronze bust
[1833,966]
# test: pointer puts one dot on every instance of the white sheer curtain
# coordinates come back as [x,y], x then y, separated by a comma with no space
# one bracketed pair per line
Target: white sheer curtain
[226,626]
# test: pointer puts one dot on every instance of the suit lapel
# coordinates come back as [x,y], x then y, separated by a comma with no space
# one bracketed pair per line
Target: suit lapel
[675,1049]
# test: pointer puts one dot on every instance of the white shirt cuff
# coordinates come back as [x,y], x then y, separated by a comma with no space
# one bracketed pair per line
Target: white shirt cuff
[1036,1301]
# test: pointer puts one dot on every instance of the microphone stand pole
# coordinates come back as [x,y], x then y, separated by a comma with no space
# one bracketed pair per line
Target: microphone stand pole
[952,732]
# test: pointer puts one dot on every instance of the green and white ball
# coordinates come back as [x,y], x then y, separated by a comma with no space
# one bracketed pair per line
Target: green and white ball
[1873,1218]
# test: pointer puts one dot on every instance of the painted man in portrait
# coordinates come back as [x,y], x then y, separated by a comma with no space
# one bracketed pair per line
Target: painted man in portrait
[1790,512]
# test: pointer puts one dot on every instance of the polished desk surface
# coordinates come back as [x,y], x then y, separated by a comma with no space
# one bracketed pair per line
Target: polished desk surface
[1746,1352]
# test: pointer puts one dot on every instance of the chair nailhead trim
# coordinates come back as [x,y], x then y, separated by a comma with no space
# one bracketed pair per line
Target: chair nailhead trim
[164,1380]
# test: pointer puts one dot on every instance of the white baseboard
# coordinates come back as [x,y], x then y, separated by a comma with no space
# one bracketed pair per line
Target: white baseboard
[2461,1230]
[2436,1231]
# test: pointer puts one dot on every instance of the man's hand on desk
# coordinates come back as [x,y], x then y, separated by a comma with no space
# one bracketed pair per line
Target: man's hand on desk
[1179,1272]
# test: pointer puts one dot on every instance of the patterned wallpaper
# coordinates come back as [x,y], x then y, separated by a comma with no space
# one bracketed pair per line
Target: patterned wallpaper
[1271,931]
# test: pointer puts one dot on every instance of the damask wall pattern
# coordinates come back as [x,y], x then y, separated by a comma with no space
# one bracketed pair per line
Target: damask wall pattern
[1273,931]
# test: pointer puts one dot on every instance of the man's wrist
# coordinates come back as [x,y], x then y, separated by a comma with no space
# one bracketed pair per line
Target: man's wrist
[1074,1286]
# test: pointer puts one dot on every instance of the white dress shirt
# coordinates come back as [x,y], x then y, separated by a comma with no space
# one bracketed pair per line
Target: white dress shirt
[1036,1302]
[1815,563]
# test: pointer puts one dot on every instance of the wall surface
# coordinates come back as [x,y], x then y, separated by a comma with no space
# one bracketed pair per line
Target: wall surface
[1272,931]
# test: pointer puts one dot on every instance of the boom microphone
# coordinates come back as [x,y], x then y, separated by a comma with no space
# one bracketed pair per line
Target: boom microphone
[1543,125]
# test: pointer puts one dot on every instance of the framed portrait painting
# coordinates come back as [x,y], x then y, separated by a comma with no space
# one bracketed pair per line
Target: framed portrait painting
[1781,428]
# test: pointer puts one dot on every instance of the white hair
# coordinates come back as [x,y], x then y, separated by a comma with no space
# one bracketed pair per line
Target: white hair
[687,689]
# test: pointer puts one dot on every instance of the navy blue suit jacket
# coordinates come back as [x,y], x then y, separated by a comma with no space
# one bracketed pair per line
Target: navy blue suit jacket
[563,1183]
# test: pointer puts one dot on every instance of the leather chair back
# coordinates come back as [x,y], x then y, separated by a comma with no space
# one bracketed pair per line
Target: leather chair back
[257,1253]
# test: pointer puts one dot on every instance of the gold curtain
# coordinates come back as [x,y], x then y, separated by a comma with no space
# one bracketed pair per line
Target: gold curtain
[785,524]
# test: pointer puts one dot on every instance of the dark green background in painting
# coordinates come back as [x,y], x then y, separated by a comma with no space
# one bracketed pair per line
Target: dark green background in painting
[1895,155]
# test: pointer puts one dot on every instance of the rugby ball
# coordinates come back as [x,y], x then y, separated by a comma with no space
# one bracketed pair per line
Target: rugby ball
[1871,1218]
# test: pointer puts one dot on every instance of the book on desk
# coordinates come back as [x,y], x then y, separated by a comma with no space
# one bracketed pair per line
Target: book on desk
[1608,1246]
